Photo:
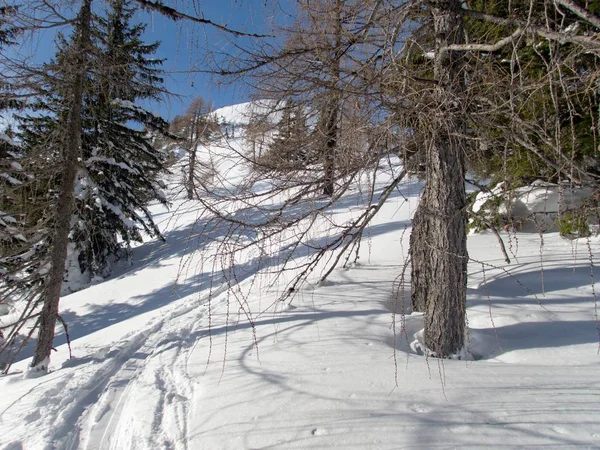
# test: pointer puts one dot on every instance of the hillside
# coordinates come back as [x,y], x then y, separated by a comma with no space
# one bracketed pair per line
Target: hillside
[190,349]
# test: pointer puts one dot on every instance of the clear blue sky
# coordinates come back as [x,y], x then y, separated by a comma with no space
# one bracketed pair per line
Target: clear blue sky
[185,45]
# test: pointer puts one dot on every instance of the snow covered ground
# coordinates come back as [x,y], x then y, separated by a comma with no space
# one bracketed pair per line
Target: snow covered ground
[169,355]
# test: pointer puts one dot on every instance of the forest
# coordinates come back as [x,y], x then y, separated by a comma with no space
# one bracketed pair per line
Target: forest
[477,122]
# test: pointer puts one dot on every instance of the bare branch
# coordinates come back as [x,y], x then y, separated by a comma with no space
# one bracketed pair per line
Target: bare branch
[579,11]
[487,47]
[563,38]
[176,15]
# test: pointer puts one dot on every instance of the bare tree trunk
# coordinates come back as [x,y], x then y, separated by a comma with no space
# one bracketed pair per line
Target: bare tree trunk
[441,240]
[333,107]
[60,241]
[331,132]
[418,255]
[194,129]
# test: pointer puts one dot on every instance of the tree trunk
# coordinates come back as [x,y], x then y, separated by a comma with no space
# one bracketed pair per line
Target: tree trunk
[331,130]
[440,252]
[60,240]
[334,104]
[418,254]
[194,129]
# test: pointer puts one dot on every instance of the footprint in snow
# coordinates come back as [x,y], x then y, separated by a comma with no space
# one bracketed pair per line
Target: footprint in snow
[560,430]
[418,408]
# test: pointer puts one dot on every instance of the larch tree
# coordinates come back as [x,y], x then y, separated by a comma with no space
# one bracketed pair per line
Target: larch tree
[74,69]
[446,111]
[313,67]
[509,91]
[194,128]
[439,245]
[318,106]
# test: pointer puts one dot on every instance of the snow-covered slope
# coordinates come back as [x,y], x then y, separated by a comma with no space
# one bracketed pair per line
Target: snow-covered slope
[241,113]
[174,354]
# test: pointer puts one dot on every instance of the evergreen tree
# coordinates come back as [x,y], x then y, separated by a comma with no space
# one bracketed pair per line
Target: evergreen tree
[10,169]
[119,164]
[551,135]
[532,114]
[7,31]
[13,176]
[118,177]
[289,149]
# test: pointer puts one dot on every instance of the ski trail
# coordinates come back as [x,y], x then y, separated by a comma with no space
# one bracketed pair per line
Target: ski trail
[151,376]
[80,385]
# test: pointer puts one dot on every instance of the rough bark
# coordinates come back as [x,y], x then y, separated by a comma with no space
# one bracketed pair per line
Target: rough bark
[441,258]
[418,254]
[60,240]
[333,108]
[194,136]
[331,132]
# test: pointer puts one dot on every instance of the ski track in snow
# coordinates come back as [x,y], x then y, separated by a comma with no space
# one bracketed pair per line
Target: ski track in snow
[101,396]
[155,360]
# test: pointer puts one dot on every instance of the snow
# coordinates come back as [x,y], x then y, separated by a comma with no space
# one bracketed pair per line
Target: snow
[5,138]
[111,161]
[7,218]
[483,196]
[10,179]
[171,353]
[537,205]
[240,114]
[545,199]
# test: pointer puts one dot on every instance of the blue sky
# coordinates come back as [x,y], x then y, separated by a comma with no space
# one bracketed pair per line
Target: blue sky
[186,44]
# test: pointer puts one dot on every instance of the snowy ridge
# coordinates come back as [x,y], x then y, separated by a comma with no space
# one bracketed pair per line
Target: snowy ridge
[241,113]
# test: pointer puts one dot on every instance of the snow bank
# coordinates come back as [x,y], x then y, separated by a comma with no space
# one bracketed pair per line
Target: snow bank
[535,207]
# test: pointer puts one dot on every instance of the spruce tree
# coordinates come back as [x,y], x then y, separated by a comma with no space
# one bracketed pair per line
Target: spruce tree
[116,178]
[7,30]
[10,168]
[289,148]
[14,178]
[120,162]
[551,135]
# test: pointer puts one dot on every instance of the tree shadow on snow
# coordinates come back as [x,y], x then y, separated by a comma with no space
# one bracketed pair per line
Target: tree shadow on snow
[539,281]
[181,243]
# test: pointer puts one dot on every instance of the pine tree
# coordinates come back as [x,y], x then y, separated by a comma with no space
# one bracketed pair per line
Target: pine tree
[292,142]
[120,163]
[116,178]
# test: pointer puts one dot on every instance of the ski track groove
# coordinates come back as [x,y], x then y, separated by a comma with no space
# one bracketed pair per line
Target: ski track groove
[103,411]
